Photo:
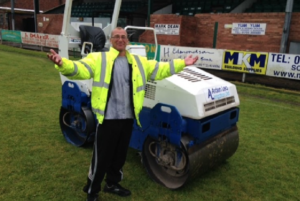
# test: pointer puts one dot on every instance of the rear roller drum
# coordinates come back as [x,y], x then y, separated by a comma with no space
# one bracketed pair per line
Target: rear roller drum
[77,128]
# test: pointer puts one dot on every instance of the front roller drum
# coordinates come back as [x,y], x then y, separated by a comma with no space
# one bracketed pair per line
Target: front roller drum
[173,166]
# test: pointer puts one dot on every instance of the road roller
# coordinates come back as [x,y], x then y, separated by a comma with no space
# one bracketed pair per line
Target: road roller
[189,120]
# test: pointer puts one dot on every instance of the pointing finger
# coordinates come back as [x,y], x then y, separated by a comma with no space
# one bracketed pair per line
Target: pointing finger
[53,52]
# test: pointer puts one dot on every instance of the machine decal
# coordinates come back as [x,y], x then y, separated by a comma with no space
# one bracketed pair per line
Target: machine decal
[75,40]
[217,93]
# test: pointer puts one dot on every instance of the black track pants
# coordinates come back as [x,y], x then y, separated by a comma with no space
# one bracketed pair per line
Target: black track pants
[109,154]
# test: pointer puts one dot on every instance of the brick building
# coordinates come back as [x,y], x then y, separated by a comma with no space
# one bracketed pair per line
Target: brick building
[195,31]
[198,31]
[24,13]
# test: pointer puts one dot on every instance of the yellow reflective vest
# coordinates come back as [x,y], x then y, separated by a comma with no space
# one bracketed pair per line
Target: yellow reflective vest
[99,65]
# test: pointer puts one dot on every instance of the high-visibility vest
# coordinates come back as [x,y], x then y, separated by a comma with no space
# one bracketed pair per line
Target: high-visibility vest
[99,66]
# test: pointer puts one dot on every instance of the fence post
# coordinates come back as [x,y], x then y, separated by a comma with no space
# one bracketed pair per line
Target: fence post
[244,77]
[215,35]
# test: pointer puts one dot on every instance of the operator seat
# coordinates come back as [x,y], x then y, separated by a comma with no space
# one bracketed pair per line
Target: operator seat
[93,35]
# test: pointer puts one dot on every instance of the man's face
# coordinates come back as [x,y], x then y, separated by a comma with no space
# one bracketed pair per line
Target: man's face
[119,39]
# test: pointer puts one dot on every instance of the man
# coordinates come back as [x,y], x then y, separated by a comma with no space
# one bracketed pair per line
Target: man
[119,80]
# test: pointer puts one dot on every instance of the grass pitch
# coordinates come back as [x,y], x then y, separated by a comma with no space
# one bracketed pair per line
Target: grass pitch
[37,164]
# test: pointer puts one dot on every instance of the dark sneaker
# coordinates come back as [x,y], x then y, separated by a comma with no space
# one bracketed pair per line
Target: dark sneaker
[85,188]
[92,197]
[117,189]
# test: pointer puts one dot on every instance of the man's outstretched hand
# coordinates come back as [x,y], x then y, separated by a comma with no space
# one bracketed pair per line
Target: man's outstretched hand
[54,57]
[189,60]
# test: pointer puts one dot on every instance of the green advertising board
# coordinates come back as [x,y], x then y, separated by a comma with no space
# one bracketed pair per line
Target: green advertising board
[150,49]
[12,36]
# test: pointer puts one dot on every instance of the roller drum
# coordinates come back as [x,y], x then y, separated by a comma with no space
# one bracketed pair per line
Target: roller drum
[212,153]
[173,166]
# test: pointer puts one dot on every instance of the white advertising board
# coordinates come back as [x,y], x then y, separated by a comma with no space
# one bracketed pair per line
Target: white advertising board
[167,29]
[208,58]
[249,28]
[46,40]
[284,66]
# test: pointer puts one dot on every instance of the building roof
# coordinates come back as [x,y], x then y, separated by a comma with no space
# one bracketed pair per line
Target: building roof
[18,10]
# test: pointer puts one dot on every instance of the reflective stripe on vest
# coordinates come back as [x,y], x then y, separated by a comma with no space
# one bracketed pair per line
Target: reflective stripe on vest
[140,88]
[103,72]
[88,68]
[172,68]
[97,111]
[75,70]
[153,76]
